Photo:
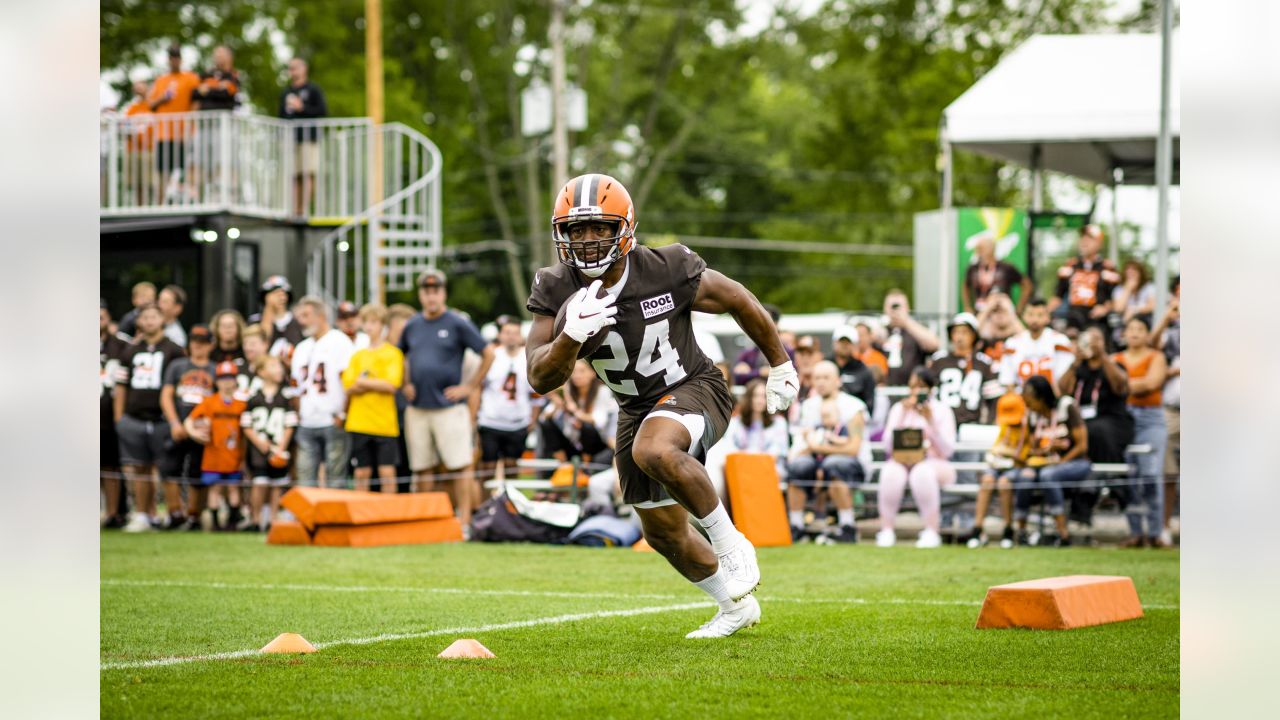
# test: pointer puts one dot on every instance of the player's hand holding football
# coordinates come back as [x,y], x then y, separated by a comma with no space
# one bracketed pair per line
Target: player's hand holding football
[588,314]
[782,387]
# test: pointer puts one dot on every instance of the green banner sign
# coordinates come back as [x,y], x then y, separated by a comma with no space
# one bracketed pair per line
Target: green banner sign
[1006,227]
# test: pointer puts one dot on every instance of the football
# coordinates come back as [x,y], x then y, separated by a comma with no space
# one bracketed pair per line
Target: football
[595,341]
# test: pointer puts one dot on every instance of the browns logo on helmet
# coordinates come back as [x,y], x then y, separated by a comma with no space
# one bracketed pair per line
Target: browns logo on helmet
[599,198]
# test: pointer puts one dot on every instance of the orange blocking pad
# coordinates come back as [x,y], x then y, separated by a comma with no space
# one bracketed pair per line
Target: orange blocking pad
[414,532]
[1060,603]
[287,532]
[367,509]
[302,501]
[755,498]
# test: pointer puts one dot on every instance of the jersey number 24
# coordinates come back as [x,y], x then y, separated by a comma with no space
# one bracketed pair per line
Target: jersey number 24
[656,356]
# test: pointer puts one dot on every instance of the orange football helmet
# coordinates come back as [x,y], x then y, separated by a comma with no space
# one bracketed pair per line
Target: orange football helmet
[593,197]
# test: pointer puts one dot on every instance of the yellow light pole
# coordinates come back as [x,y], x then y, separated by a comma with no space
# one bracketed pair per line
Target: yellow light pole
[374,109]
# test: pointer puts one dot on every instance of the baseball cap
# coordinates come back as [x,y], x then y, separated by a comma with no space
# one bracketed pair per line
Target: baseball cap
[226,368]
[1010,409]
[432,278]
[846,332]
[964,318]
[807,343]
[347,309]
[276,282]
[199,333]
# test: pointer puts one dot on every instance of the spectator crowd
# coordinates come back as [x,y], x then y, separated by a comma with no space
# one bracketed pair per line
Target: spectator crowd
[1035,404]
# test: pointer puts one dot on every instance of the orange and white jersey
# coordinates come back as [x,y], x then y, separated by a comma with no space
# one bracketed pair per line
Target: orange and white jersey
[1049,355]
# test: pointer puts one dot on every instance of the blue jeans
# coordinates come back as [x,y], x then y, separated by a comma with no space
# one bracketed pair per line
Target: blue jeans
[834,467]
[327,445]
[1050,479]
[1147,492]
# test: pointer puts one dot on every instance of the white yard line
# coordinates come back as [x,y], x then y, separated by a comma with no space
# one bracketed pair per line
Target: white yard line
[385,637]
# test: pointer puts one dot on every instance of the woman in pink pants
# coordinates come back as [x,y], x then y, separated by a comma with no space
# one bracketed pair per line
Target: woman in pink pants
[921,410]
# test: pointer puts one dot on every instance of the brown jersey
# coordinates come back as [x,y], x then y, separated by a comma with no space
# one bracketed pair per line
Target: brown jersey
[651,348]
[967,385]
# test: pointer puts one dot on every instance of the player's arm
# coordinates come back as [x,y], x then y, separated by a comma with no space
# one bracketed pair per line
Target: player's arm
[550,359]
[719,294]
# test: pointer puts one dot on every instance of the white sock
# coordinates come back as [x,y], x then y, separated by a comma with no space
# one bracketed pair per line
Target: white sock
[845,517]
[720,529]
[796,518]
[714,586]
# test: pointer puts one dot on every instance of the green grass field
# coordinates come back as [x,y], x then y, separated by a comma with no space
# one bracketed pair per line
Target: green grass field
[846,631]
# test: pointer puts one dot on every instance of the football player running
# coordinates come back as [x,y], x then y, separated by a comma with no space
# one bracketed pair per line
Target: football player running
[674,401]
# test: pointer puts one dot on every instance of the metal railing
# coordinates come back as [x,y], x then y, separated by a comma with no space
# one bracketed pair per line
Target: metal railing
[386,245]
[223,161]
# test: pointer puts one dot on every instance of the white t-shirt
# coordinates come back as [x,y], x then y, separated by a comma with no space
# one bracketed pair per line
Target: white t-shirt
[505,400]
[1049,355]
[848,406]
[317,370]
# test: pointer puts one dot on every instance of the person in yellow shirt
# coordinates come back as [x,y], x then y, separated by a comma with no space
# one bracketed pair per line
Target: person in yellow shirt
[371,379]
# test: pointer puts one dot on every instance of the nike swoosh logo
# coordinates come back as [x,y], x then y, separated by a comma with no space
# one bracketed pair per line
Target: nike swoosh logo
[584,317]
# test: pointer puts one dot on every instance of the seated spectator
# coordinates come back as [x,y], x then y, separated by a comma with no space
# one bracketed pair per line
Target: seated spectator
[1058,454]
[216,424]
[855,377]
[1099,386]
[751,430]
[144,293]
[838,465]
[988,273]
[808,353]
[751,363]
[966,378]
[371,380]
[868,354]
[1135,296]
[1085,283]
[1006,457]
[907,343]
[997,322]
[1146,368]
[925,465]
[1167,336]
[269,422]
[580,419]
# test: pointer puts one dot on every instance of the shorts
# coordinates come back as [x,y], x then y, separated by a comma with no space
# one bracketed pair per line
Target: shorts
[374,450]
[219,478]
[502,444]
[702,404]
[170,155]
[306,157]
[142,442]
[436,436]
[182,460]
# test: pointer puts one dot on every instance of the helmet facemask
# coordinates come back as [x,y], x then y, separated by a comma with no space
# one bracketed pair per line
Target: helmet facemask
[591,256]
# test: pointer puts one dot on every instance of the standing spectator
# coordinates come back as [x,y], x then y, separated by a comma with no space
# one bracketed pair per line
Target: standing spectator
[1147,370]
[1038,350]
[303,100]
[138,167]
[280,327]
[868,354]
[751,363]
[855,377]
[1100,387]
[506,409]
[371,380]
[752,429]
[398,315]
[908,343]
[438,426]
[1136,294]
[172,93]
[1167,335]
[1086,282]
[228,333]
[253,343]
[842,465]
[143,293]
[187,382]
[349,323]
[580,419]
[997,322]
[1059,453]
[215,424]
[171,301]
[925,466]
[988,273]
[139,420]
[219,86]
[269,422]
[966,378]
[317,365]
[111,349]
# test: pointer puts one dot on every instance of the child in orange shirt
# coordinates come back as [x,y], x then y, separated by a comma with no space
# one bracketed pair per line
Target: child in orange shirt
[215,423]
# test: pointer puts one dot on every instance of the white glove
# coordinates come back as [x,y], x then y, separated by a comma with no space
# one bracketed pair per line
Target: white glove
[588,314]
[782,387]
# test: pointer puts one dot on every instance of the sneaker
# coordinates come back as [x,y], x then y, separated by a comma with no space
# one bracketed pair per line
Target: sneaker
[1062,541]
[929,539]
[798,535]
[138,522]
[727,622]
[1006,539]
[249,527]
[845,535]
[1166,538]
[115,522]
[742,573]
[192,525]
[1023,538]
[175,522]
[1156,542]
[886,538]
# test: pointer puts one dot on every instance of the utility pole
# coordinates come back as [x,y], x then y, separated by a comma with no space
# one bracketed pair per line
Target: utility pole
[373,101]
[559,120]
[1164,158]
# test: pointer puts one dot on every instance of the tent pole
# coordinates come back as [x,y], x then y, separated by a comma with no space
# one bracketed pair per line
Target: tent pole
[948,165]
[1164,160]
[1037,180]
[1114,250]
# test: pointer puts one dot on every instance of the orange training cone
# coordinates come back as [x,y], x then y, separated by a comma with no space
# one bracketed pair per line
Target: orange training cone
[643,545]
[289,643]
[466,648]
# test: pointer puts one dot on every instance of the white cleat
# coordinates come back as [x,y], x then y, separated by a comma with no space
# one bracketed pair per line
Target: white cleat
[741,572]
[727,622]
